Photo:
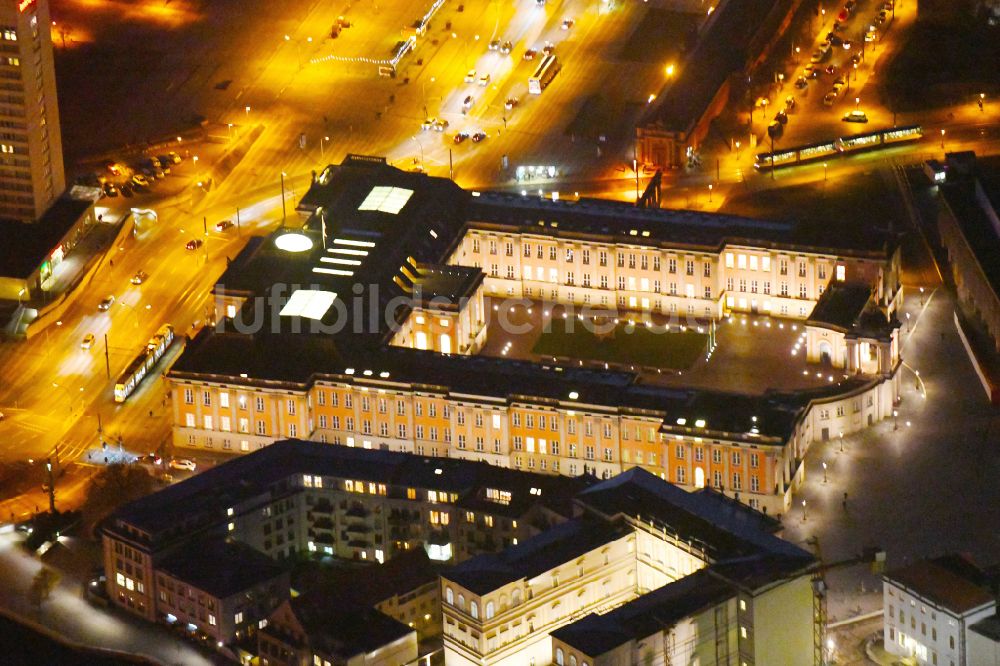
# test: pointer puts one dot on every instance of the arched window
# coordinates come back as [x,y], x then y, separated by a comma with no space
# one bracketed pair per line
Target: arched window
[516,598]
[572,660]
[503,602]
[490,610]
[449,596]
[474,610]
[461,601]
[560,658]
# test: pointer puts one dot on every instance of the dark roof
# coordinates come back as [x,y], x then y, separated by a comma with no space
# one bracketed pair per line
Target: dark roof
[557,545]
[840,306]
[24,246]
[952,582]
[988,627]
[375,583]
[449,283]
[220,568]
[726,529]
[344,632]
[201,500]
[662,608]
[726,48]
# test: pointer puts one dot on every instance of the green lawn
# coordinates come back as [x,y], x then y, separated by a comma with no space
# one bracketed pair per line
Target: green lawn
[627,345]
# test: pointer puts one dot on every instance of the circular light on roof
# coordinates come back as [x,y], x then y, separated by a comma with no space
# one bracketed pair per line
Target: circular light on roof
[293,242]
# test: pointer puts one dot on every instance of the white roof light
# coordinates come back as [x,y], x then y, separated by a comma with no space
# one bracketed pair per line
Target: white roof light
[333,271]
[293,242]
[682,421]
[344,250]
[308,303]
[573,395]
[438,470]
[700,423]
[386,199]
[354,243]
[383,374]
[349,371]
[339,261]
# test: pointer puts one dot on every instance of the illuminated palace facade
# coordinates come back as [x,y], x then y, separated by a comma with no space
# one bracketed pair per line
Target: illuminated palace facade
[379,348]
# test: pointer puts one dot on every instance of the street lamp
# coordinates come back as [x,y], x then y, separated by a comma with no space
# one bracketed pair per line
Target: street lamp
[841,441]
[248,111]
[804,516]
[283,217]
[321,142]
[670,69]
[710,193]
[824,172]
[942,139]
[415,139]
[982,98]
[895,419]
[857,103]
[737,150]
[824,472]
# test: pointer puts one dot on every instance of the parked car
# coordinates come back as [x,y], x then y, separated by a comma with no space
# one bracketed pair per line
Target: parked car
[140,180]
[106,304]
[511,103]
[461,136]
[801,82]
[775,129]
[781,117]
[789,103]
[428,123]
[440,125]
[495,45]
[193,244]
[484,80]
[88,341]
[139,277]
[174,157]
[830,98]
[470,76]
[183,463]
[549,48]
[855,117]
[223,225]
[110,190]
[478,136]
[506,47]
[830,69]
[127,189]
[530,54]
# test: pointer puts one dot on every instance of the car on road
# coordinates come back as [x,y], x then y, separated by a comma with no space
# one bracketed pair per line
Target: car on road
[193,244]
[775,129]
[495,45]
[484,80]
[789,103]
[855,117]
[183,463]
[871,36]
[834,39]
[838,85]
[831,69]
[506,47]
[830,98]
[530,54]
[222,225]
[140,180]
[440,125]
[106,304]
[470,76]
[843,15]
[881,18]
[460,137]
[801,83]
[781,117]
[567,24]
[511,103]
[428,123]
[810,71]
[549,48]
[468,102]
[478,136]
[816,57]
[110,190]
[87,342]
[856,59]
[139,277]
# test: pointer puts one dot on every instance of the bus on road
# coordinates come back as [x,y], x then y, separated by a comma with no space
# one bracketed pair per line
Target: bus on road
[547,70]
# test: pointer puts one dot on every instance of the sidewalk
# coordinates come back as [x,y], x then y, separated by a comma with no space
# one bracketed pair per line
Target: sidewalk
[68,615]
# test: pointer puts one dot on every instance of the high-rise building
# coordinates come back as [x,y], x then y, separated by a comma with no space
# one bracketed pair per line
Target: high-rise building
[31,160]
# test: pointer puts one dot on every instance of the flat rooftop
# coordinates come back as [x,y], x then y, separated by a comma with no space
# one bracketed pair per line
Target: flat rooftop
[952,582]
[24,246]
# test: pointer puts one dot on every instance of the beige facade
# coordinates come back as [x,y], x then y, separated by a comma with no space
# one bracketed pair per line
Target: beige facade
[31,160]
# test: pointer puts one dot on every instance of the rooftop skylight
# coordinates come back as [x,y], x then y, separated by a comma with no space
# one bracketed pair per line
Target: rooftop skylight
[386,199]
[308,303]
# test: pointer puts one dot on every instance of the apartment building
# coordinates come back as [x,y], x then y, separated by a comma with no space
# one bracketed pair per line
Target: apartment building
[636,545]
[931,606]
[31,160]
[297,497]
[379,352]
